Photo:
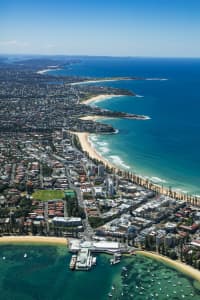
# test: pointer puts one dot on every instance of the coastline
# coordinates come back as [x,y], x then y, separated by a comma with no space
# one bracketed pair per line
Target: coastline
[178,265]
[94,118]
[100,98]
[140,180]
[87,147]
[100,80]
[47,70]
[136,178]
[34,240]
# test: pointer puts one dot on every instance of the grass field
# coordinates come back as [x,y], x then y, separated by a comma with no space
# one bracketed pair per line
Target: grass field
[45,195]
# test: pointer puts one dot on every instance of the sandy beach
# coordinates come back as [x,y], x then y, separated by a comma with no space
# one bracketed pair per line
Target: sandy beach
[100,98]
[33,239]
[87,146]
[93,118]
[47,70]
[100,80]
[178,265]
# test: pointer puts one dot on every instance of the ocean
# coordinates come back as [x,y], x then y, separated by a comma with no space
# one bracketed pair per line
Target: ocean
[44,275]
[166,147]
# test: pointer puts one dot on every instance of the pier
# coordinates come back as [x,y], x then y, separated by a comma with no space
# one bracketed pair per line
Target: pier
[83,261]
[83,249]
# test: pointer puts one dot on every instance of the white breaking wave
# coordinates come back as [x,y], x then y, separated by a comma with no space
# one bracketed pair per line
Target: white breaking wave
[102,143]
[139,96]
[93,138]
[118,161]
[178,190]
[100,147]
[104,150]
[157,179]
[157,79]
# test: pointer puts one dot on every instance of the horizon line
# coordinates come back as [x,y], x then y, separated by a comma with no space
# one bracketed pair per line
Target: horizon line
[96,55]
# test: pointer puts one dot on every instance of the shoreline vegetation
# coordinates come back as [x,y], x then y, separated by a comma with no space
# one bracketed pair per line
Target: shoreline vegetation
[33,240]
[135,178]
[176,264]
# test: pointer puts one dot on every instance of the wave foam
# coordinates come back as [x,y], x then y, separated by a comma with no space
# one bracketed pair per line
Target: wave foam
[178,190]
[157,79]
[102,143]
[104,150]
[157,179]
[93,138]
[118,161]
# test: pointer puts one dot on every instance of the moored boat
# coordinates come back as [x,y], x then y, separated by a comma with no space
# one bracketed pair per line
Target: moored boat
[72,264]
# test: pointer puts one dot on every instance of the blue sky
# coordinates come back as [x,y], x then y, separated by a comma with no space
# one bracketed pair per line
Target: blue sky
[108,27]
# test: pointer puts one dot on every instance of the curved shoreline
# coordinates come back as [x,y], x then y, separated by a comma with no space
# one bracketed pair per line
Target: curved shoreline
[100,80]
[33,240]
[100,98]
[87,146]
[41,72]
[178,265]
[183,268]
[142,180]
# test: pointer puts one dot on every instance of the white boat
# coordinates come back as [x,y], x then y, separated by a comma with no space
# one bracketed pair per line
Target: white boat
[114,261]
[4,257]
[25,255]
[109,295]
[94,260]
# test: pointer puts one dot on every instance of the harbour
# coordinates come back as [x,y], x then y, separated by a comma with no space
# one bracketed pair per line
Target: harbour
[84,260]
[135,277]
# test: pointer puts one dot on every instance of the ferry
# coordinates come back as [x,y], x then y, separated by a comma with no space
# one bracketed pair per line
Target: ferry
[72,264]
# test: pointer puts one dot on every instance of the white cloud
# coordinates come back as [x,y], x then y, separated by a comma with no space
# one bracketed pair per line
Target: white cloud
[50,46]
[8,43]
[13,43]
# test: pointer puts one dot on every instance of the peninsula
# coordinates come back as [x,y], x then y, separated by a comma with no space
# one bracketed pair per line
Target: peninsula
[53,183]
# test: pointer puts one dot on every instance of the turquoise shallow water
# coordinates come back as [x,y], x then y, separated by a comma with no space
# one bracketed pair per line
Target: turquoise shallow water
[165,148]
[45,275]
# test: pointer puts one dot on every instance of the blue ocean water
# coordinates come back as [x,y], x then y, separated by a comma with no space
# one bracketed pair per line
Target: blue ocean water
[166,147]
[44,275]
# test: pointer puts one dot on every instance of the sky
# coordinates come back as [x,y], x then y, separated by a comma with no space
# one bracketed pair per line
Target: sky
[158,28]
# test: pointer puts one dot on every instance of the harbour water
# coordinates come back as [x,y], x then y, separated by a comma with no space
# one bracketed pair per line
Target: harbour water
[166,147]
[44,274]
